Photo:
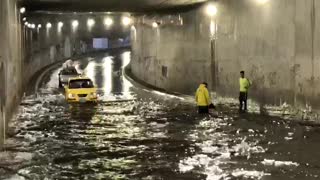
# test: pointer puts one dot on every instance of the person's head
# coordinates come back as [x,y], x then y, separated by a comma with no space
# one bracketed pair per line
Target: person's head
[205,84]
[242,74]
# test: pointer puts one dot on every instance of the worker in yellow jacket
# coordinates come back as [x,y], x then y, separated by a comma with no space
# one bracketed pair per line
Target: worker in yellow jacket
[203,98]
[244,87]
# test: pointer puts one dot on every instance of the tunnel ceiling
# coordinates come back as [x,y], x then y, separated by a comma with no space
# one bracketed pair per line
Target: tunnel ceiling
[108,5]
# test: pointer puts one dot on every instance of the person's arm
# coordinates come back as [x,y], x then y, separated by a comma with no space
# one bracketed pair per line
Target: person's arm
[207,97]
[248,83]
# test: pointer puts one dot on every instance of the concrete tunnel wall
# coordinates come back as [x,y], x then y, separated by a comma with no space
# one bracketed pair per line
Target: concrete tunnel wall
[24,51]
[10,60]
[277,44]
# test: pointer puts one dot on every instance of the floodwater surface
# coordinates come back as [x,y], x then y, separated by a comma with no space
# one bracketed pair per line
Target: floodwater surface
[136,133]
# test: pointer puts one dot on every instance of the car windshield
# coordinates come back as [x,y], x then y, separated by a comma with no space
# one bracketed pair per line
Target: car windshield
[80,83]
[69,71]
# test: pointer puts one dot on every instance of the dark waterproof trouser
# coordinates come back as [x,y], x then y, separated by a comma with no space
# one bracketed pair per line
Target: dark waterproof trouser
[203,109]
[243,100]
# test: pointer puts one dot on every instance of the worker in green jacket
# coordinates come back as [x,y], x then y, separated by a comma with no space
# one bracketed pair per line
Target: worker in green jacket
[244,86]
[203,98]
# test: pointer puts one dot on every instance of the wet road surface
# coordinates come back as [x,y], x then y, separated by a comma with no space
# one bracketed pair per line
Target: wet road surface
[135,133]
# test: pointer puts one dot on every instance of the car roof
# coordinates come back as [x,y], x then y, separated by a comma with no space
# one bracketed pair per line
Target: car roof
[68,70]
[80,78]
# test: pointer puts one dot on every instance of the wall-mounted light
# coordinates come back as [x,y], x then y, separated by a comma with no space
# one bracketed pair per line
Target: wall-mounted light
[60,25]
[75,23]
[49,25]
[211,10]
[126,21]
[24,19]
[90,22]
[22,10]
[155,25]
[108,21]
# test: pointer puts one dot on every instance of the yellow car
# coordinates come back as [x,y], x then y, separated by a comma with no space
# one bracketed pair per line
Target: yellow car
[80,89]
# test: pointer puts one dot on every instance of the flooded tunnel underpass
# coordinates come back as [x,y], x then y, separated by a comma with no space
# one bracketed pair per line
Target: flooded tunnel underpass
[135,133]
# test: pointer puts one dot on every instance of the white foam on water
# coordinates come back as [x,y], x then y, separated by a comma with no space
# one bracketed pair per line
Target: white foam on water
[212,169]
[166,95]
[272,162]
[24,171]
[157,135]
[24,156]
[288,138]
[54,80]
[215,173]
[290,133]
[158,125]
[30,137]
[249,174]
[218,143]
[116,111]
[246,149]
[15,177]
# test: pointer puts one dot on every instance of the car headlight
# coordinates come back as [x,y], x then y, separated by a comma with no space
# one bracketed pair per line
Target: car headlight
[93,94]
[71,96]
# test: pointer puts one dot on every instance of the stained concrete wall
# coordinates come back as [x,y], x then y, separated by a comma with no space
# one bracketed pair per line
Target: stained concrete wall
[276,43]
[10,59]
[175,56]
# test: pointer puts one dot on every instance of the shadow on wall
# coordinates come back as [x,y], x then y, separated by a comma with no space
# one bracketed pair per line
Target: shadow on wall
[2,100]
[67,47]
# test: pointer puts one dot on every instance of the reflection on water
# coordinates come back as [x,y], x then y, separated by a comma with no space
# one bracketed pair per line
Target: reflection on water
[90,71]
[107,73]
[126,85]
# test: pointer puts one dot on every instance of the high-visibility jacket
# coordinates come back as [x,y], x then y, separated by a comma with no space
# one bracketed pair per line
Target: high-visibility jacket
[244,84]
[202,96]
